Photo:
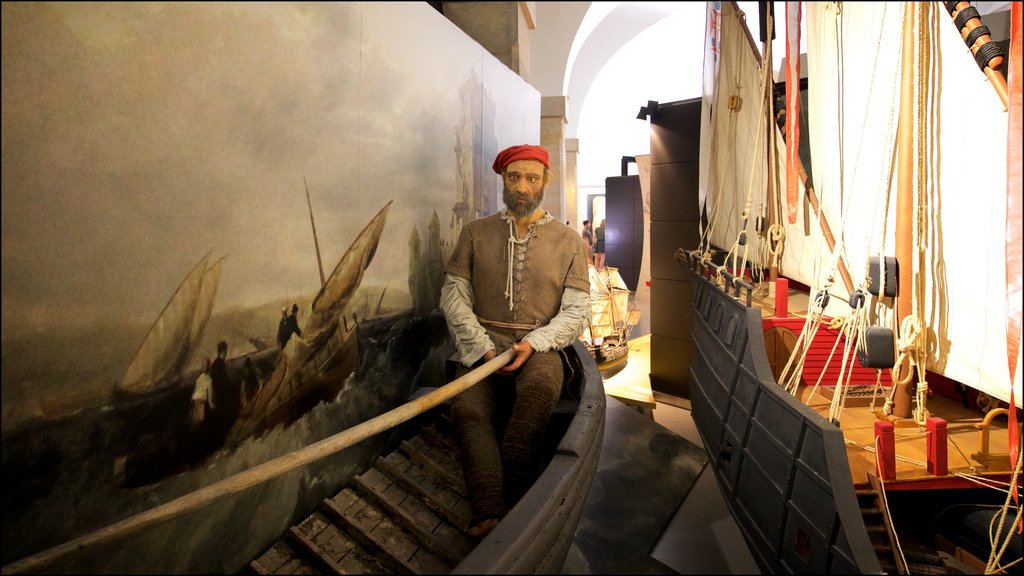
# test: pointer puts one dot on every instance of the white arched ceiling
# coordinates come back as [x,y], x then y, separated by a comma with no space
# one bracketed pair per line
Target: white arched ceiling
[606,28]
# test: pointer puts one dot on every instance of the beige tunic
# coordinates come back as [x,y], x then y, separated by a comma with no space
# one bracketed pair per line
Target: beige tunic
[517,287]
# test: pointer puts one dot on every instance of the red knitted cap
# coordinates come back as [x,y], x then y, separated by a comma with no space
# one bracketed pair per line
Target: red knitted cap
[520,152]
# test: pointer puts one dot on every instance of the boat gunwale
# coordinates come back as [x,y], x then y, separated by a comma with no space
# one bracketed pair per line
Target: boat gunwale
[859,551]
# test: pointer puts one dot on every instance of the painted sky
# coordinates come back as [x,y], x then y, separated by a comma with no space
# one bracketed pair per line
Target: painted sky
[139,137]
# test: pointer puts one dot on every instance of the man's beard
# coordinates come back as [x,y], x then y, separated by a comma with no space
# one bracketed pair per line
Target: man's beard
[526,208]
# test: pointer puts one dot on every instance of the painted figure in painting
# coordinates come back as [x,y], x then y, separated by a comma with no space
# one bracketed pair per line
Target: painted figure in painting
[226,394]
[518,279]
[288,325]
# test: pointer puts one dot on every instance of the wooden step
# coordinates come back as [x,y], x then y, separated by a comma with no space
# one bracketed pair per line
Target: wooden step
[437,461]
[374,530]
[317,546]
[432,491]
[429,529]
[281,558]
[876,523]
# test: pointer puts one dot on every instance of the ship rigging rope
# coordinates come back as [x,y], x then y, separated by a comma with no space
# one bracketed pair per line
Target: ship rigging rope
[815,314]
[884,314]
[918,355]
[738,271]
[993,560]
[885,505]
[856,329]
[852,331]
[912,344]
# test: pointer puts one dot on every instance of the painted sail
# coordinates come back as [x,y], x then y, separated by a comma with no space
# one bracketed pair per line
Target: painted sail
[204,304]
[852,143]
[169,343]
[327,340]
[347,275]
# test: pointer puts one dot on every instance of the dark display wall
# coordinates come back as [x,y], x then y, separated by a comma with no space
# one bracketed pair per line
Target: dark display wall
[675,153]
[624,227]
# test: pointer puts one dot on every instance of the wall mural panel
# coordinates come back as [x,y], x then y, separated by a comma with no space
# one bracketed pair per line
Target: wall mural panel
[164,168]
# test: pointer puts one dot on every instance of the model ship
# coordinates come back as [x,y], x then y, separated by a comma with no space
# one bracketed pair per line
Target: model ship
[613,315]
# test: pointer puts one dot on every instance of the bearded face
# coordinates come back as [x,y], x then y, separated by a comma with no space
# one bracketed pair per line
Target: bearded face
[522,204]
[523,187]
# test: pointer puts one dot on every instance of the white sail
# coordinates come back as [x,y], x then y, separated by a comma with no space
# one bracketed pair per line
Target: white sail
[602,317]
[737,175]
[853,108]
[854,76]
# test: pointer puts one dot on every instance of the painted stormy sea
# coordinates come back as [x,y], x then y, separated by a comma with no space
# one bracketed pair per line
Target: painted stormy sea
[65,472]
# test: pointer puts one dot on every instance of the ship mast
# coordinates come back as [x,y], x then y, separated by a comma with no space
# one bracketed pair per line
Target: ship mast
[903,397]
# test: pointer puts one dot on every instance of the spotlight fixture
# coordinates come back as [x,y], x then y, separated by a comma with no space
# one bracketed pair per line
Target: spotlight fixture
[648,111]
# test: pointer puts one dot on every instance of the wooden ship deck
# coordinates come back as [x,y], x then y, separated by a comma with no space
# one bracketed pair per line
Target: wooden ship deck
[970,450]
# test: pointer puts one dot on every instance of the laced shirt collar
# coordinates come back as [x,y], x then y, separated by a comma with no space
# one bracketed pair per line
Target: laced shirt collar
[521,245]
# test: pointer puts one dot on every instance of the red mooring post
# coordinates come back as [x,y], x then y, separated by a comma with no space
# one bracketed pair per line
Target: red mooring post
[782,298]
[885,444]
[938,462]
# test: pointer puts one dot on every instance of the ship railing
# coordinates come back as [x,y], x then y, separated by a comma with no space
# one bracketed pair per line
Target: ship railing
[700,265]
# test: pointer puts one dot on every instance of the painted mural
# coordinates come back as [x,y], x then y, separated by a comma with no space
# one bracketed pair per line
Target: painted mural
[178,180]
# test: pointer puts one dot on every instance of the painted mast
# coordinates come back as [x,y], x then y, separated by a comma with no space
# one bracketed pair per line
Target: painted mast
[316,243]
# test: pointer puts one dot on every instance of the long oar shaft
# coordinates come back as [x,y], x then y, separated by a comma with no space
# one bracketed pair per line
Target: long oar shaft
[266,471]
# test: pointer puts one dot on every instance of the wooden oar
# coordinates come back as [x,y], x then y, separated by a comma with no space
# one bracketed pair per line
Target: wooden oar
[263,472]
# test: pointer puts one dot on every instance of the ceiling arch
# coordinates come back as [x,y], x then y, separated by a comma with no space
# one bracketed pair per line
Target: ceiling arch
[606,28]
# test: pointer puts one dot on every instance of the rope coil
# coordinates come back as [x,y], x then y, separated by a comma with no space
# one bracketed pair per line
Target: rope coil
[964,15]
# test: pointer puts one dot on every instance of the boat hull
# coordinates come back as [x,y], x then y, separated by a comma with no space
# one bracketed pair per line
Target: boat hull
[373,515]
[610,357]
[782,468]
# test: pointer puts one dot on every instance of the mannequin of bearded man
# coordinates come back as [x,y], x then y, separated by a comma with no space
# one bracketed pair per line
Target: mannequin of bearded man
[518,279]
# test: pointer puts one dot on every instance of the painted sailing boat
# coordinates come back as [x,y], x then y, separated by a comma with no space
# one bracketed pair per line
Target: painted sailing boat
[819,482]
[313,368]
[613,315]
[172,339]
